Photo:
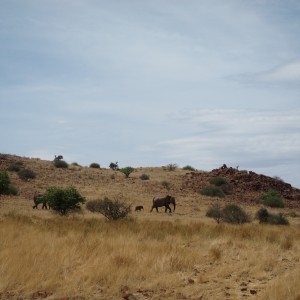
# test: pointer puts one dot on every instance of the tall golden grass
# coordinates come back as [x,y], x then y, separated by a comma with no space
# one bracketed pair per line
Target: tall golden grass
[92,258]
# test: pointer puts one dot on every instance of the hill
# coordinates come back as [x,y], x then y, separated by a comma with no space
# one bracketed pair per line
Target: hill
[243,187]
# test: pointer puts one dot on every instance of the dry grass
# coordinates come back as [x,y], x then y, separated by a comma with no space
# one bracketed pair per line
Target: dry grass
[96,259]
[183,255]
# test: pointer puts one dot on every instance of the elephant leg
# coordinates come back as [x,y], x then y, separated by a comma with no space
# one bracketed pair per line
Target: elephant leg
[168,207]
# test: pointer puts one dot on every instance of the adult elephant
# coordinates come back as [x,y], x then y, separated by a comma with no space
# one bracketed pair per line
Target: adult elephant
[38,199]
[166,201]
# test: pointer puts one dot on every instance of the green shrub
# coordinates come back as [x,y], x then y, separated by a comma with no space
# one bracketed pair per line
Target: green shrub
[262,215]
[114,166]
[234,214]
[111,209]
[272,199]
[4,183]
[5,187]
[212,191]
[15,167]
[126,171]
[63,200]
[275,219]
[58,163]
[218,180]
[26,174]
[95,165]
[144,177]
[189,168]
[215,212]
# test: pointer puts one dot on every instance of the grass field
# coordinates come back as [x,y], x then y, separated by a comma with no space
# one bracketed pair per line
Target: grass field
[183,255]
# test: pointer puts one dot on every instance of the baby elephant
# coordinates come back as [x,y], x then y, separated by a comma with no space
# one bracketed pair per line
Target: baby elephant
[139,208]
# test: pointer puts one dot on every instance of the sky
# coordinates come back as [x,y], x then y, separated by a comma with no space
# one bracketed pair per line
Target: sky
[150,83]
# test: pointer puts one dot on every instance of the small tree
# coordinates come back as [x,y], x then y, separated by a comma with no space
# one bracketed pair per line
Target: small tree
[171,167]
[272,199]
[111,209]
[63,200]
[114,166]
[126,171]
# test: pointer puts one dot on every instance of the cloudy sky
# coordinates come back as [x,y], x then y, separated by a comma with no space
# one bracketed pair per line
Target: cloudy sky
[148,83]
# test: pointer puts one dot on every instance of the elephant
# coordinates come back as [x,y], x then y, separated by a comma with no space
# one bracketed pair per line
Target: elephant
[139,208]
[166,201]
[37,199]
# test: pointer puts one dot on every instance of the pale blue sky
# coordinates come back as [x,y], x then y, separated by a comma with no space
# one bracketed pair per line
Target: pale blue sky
[148,83]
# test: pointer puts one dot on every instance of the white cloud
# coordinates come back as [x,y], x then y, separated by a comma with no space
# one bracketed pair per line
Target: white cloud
[98,78]
[238,137]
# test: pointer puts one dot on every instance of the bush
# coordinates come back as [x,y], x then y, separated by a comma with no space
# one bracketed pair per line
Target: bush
[272,199]
[95,165]
[58,163]
[114,166]
[126,171]
[212,191]
[171,167]
[275,219]
[111,209]
[5,187]
[63,200]
[26,174]
[215,213]
[262,215]
[144,177]
[234,214]
[218,180]
[4,183]
[15,167]
[189,168]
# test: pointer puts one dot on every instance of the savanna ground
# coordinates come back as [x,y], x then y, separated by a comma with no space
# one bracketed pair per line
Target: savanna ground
[182,255]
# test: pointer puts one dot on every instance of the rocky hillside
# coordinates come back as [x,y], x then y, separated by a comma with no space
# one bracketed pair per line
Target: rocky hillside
[244,186]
